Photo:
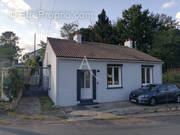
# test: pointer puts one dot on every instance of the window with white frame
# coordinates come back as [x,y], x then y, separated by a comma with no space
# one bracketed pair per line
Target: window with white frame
[114,76]
[147,74]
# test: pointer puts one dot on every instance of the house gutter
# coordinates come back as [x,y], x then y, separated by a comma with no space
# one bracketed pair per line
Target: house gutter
[127,61]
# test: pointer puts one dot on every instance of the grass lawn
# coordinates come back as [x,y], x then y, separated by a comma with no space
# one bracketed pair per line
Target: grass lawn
[48,108]
[47,105]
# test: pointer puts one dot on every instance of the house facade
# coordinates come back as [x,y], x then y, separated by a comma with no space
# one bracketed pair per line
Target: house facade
[85,72]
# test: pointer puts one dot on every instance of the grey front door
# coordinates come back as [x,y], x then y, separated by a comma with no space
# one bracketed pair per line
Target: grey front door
[86,85]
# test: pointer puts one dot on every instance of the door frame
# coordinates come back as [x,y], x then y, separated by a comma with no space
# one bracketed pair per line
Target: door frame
[79,85]
[49,78]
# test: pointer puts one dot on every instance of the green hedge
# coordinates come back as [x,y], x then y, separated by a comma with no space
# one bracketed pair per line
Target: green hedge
[12,83]
[171,77]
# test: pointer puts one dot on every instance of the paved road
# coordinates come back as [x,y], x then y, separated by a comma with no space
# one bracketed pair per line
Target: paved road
[161,125]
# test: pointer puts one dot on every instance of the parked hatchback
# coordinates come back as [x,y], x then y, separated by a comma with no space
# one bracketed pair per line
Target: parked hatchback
[153,94]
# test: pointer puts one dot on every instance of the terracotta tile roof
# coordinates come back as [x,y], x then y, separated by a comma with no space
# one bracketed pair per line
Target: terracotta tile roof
[92,50]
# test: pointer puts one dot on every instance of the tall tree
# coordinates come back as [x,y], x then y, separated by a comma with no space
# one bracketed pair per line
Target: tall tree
[164,22]
[8,38]
[42,44]
[87,34]
[120,30]
[8,45]
[140,26]
[136,25]
[68,30]
[103,28]
[166,46]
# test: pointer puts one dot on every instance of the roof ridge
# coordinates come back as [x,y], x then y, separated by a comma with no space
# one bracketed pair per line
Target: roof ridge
[102,43]
[84,42]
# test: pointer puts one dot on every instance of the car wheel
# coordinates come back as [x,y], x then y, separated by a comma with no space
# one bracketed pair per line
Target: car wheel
[152,101]
[178,99]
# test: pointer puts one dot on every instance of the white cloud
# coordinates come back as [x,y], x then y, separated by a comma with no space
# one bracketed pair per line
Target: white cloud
[17,5]
[178,17]
[58,26]
[55,35]
[169,4]
[16,18]
[26,45]
[41,37]
[4,28]
[14,8]
[39,24]
[20,20]
[5,11]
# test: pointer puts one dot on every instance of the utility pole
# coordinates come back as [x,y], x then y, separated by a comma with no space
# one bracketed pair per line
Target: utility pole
[34,44]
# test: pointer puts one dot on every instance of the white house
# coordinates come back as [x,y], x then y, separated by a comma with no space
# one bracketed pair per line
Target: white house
[87,72]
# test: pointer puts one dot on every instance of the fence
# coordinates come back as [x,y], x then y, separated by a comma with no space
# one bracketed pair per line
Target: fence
[177,70]
[38,78]
[35,81]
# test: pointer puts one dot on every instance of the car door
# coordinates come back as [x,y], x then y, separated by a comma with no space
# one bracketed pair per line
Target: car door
[172,90]
[163,94]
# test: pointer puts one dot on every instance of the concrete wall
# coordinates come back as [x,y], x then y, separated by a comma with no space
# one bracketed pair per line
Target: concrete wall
[131,79]
[50,59]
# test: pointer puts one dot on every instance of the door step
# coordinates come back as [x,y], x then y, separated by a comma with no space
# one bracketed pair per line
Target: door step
[87,102]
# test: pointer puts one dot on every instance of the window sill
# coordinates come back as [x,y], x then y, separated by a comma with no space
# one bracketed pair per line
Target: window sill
[119,87]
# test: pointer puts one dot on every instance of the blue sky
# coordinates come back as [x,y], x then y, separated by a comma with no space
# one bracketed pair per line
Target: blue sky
[25,26]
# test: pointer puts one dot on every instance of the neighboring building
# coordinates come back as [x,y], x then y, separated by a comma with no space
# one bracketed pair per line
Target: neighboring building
[109,74]
[34,53]
[31,55]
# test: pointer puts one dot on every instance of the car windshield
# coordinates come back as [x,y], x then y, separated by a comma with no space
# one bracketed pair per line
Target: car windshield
[149,87]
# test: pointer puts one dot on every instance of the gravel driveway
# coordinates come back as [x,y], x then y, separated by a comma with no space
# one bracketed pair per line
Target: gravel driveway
[29,105]
[116,109]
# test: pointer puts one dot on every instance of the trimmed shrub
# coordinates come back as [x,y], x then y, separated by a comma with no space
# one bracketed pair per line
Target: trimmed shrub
[171,77]
[12,83]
